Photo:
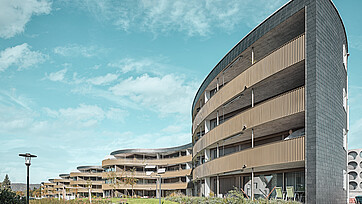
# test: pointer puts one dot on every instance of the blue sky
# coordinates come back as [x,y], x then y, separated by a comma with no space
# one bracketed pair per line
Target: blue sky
[79,79]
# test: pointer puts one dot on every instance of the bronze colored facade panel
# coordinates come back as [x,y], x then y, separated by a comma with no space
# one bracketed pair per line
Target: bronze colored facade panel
[272,154]
[284,105]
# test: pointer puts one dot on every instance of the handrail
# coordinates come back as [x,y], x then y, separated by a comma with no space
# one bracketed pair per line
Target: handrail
[283,105]
[287,152]
[292,53]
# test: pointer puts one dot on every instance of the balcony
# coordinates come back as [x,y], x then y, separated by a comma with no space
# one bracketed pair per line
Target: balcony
[282,107]
[93,190]
[85,174]
[167,174]
[269,157]
[164,186]
[85,182]
[284,57]
[141,162]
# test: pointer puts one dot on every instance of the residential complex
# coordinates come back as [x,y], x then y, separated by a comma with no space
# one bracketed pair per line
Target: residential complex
[77,184]
[273,112]
[355,172]
[87,179]
[128,172]
[143,166]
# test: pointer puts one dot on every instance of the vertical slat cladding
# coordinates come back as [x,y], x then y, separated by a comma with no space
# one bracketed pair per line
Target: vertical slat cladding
[281,106]
[271,64]
[270,154]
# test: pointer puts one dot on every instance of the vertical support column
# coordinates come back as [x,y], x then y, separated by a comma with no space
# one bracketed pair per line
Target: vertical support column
[283,187]
[217,118]
[157,192]
[217,151]
[217,186]
[217,84]
[252,183]
[252,56]
[207,187]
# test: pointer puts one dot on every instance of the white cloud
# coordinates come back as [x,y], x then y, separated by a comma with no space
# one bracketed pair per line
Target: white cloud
[102,80]
[172,129]
[196,18]
[132,65]
[166,94]
[15,14]
[72,50]
[86,115]
[56,76]
[20,56]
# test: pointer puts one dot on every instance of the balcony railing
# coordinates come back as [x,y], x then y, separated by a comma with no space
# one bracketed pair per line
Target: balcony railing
[273,156]
[85,174]
[284,105]
[289,54]
[86,182]
[164,186]
[167,174]
[141,162]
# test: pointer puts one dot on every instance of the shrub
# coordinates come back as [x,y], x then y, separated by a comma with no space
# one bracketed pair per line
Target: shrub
[232,197]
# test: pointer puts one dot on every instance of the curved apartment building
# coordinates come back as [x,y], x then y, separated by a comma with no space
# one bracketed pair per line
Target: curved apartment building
[141,167]
[77,184]
[87,179]
[57,188]
[273,112]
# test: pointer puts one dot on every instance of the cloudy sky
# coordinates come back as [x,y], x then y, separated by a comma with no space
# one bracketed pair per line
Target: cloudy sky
[79,79]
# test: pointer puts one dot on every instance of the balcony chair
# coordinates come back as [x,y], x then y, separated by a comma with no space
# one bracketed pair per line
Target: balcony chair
[279,193]
[290,193]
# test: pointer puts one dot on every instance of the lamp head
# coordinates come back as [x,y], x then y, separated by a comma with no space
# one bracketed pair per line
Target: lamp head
[27,157]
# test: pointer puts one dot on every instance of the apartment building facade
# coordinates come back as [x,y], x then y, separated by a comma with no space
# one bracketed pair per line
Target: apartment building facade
[273,112]
[77,184]
[354,173]
[137,171]
[87,179]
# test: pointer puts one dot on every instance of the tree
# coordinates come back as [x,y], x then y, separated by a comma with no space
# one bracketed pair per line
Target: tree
[9,197]
[131,180]
[36,192]
[114,182]
[6,184]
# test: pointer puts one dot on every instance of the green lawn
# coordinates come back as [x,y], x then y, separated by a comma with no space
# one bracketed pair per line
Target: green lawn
[148,201]
[109,200]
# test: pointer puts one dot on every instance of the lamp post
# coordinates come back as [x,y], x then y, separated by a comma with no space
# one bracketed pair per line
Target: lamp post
[27,157]
[159,172]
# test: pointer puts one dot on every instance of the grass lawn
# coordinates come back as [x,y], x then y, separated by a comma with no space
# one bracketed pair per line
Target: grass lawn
[148,201]
[106,200]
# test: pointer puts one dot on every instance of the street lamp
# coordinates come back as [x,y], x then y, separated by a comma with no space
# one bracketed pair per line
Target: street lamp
[27,157]
[159,172]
